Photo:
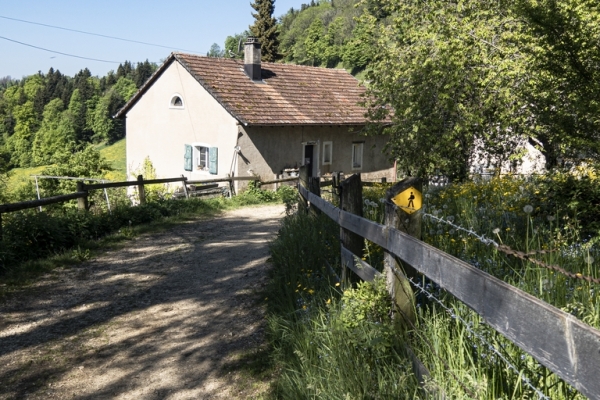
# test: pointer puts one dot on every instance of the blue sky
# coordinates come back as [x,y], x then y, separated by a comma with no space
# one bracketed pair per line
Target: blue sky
[190,25]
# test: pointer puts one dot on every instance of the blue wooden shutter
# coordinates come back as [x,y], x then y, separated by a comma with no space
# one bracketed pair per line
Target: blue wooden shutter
[213,158]
[187,158]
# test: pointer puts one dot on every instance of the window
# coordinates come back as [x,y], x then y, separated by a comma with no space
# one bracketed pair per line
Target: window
[327,147]
[201,158]
[176,101]
[357,153]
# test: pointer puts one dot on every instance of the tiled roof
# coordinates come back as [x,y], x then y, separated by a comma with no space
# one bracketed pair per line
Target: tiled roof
[288,95]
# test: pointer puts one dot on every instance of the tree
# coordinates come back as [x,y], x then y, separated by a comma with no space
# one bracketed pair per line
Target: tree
[265,29]
[565,55]
[446,83]
[104,126]
[143,71]
[235,42]
[55,137]
[215,51]
[87,163]
[315,43]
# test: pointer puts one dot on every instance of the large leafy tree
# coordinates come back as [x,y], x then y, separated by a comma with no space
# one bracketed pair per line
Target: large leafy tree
[565,53]
[445,83]
[265,29]
[55,137]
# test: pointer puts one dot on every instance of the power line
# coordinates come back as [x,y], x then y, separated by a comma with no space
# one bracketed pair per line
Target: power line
[58,52]
[96,34]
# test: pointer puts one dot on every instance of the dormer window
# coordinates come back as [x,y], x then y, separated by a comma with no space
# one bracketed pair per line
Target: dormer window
[176,101]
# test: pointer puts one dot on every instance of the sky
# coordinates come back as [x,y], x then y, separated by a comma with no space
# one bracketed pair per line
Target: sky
[181,25]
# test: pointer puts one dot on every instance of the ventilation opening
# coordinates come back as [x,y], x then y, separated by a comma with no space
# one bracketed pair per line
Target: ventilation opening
[176,102]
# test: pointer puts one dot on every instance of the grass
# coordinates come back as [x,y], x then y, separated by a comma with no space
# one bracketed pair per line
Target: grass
[331,344]
[115,154]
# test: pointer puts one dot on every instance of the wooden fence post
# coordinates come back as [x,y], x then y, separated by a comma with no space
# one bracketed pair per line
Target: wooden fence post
[303,180]
[351,201]
[314,186]
[82,202]
[141,190]
[403,202]
[335,188]
[185,189]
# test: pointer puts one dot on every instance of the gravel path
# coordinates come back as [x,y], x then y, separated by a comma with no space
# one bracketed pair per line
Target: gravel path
[171,316]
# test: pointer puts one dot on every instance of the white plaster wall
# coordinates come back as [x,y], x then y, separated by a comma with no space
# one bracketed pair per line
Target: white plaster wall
[156,130]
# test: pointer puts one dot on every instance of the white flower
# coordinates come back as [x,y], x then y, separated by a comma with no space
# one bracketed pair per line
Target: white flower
[496,231]
[528,209]
[550,218]
[450,218]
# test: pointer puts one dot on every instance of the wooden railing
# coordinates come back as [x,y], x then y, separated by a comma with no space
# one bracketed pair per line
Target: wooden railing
[83,189]
[559,341]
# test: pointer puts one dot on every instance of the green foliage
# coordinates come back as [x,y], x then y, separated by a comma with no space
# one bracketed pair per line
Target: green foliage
[215,51]
[235,42]
[45,116]
[448,77]
[265,29]
[326,344]
[565,56]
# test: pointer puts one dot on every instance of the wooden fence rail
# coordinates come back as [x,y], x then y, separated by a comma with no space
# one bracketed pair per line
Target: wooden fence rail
[559,341]
[83,191]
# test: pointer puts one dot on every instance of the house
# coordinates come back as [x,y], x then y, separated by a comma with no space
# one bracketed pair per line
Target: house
[213,117]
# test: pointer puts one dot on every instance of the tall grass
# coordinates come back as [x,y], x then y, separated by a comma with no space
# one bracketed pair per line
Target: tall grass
[328,344]
[465,357]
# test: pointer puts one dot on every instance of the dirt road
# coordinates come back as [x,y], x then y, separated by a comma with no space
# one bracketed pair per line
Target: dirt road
[168,317]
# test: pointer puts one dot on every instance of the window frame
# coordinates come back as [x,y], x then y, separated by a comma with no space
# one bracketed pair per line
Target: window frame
[327,153]
[357,152]
[173,100]
[197,157]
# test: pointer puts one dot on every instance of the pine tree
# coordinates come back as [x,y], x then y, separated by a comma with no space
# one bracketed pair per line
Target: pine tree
[265,29]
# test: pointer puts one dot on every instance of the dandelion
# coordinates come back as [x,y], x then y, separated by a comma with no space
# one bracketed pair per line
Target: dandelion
[528,209]
[589,259]
[382,200]
[550,218]
[450,218]
[452,231]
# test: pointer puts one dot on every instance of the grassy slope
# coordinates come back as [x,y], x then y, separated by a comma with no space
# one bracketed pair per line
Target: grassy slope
[114,153]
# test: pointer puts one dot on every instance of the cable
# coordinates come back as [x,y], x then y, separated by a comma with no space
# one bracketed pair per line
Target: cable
[58,52]
[96,34]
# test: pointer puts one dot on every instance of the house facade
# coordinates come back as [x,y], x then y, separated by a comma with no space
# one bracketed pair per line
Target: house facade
[208,118]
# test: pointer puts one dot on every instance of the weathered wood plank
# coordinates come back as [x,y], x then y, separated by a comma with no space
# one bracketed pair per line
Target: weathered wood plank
[131,183]
[360,268]
[327,208]
[556,339]
[215,180]
[368,229]
[4,208]
[294,178]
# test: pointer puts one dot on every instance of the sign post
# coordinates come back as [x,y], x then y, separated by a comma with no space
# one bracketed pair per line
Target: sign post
[403,202]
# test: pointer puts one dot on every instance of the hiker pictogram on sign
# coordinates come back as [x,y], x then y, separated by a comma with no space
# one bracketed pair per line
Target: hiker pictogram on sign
[409,200]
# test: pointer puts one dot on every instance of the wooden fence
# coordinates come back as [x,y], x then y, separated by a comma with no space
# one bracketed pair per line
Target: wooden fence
[83,189]
[558,340]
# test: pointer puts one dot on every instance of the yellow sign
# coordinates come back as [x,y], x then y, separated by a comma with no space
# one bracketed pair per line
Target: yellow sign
[410,200]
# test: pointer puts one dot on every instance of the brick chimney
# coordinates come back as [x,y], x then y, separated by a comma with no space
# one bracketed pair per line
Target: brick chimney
[252,58]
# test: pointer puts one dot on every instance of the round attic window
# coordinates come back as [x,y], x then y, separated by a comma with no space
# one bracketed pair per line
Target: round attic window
[176,101]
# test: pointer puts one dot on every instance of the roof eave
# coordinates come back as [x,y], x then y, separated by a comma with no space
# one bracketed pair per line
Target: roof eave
[125,109]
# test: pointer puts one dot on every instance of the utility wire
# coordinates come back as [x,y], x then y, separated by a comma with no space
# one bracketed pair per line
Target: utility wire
[58,52]
[96,34]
